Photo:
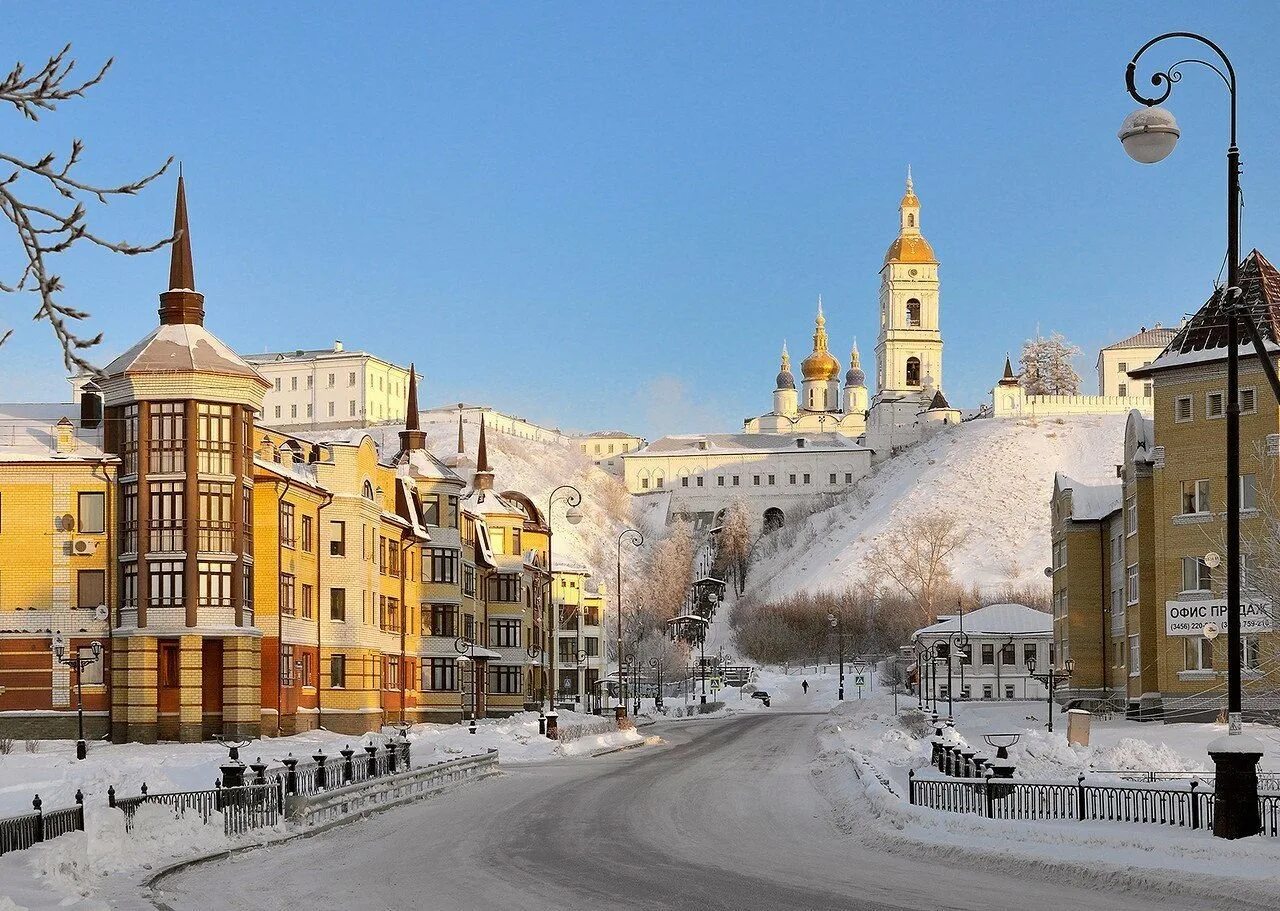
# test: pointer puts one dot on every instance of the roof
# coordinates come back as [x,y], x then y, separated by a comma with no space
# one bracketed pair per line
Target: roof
[268,358]
[1158,337]
[1090,502]
[28,433]
[1203,337]
[722,443]
[909,248]
[181,348]
[609,433]
[939,402]
[995,619]
[422,464]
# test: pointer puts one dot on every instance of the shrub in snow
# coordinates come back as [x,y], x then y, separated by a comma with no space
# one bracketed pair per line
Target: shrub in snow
[6,746]
[915,723]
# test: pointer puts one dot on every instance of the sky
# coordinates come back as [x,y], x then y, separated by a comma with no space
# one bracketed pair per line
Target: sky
[604,216]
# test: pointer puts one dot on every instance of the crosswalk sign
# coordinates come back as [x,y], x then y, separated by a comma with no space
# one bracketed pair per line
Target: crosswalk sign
[859,680]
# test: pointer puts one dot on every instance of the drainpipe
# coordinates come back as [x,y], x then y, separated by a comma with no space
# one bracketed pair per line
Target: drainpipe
[328,498]
[106,586]
[1102,583]
[405,547]
[288,482]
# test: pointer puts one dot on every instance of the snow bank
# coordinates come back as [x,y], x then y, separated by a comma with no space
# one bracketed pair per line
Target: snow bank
[994,476]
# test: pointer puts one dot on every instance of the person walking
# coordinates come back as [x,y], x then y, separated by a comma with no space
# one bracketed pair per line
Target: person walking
[804,685]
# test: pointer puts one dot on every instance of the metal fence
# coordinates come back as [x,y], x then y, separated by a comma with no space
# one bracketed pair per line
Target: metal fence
[251,806]
[1187,805]
[347,766]
[17,833]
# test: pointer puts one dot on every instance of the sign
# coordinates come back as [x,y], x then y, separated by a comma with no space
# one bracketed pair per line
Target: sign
[1188,618]
[859,680]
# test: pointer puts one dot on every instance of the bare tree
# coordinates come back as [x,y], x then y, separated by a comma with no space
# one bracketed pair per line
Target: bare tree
[915,558]
[665,581]
[45,230]
[733,545]
[1046,367]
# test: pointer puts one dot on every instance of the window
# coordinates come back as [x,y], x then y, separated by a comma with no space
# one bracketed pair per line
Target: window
[755,480]
[684,480]
[1131,584]
[338,604]
[806,479]
[337,671]
[848,477]
[987,691]
[505,587]
[213,531]
[1196,575]
[165,578]
[213,436]
[286,595]
[720,480]
[771,480]
[443,563]
[310,410]
[440,674]
[168,437]
[1146,390]
[988,653]
[1197,653]
[277,384]
[306,601]
[91,588]
[1195,497]
[735,480]
[913,371]
[277,411]
[286,665]
[293,411]
[307,669]
[792,479]
[391,677]
[506,679]
[644,483]
[1007,655]
[591,645]
[214,581]
[1182,409]
[331,380]
[699,481]
[504,633]
[287,529]
[1248,491]
[468,580]
[832,479]
[1248,401]
[1028,652]
[444,620]
[306,534]
[1213,405]
[351,407]
[91,510]
[661,480]
[1122,367]
[913,313]
[1122,390]
[1008,691]
[167,516]
[1131,515]
[1248,651]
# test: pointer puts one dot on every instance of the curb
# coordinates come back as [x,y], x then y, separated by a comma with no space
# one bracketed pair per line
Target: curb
[626,746]
[149,883]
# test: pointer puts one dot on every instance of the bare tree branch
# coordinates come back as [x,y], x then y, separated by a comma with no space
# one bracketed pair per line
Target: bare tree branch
[45,232]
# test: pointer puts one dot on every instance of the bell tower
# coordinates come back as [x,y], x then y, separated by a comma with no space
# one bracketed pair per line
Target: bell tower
[909,346]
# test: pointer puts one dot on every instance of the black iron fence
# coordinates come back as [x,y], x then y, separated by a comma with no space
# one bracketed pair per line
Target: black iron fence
[17,833]
[1187,805]
[252,806]
[347,766]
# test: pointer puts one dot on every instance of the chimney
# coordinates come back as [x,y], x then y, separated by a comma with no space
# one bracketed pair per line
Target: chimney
[337,344]
[66,439]
[90,407]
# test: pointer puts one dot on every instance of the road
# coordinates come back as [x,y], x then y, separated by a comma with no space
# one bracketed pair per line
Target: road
[724,816]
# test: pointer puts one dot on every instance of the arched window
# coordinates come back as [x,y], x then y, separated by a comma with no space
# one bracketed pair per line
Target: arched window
[773,519]
[367,493]
[913,313]
[913,371]
[911,221]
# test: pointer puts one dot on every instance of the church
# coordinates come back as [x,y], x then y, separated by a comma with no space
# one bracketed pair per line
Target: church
[909,398]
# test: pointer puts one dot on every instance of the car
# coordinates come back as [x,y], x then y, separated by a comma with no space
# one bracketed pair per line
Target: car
[762,695]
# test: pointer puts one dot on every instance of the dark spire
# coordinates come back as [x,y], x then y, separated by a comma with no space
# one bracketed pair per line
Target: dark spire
[461,448]
[182,303]
[412,437]
[1009,379]
[483,478]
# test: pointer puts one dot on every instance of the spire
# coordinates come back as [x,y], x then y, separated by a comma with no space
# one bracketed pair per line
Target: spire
[854,359]
[786,358]
[820,329]
[1009,378]
[910,187]
[182,303]
[412,437]
[483,477]
[461,448]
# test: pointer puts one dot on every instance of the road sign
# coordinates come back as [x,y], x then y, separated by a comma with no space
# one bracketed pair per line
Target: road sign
[859,680]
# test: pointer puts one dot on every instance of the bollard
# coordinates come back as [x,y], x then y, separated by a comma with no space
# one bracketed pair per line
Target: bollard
[111,796]
[322,778]
[967,769]
[259,771]
[291,774]
[39,828]
[348,771]
[979,766]
[392,758]
[79,810]
[371,750]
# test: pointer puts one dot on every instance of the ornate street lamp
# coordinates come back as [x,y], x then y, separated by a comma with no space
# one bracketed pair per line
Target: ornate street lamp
[635,539]
[79,662]
[1149,135]
[569,494]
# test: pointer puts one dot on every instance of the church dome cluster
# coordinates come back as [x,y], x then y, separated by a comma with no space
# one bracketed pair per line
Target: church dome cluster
[786,380]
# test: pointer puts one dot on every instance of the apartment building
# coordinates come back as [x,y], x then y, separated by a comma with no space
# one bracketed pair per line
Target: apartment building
[607,447]
[330,387]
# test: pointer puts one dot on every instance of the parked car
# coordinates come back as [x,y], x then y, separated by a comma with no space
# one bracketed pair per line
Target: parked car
[762,695]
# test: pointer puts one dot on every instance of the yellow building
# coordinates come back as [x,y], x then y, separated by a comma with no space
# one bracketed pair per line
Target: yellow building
[1133,353]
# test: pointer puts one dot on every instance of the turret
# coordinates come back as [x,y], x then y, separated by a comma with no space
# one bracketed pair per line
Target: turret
[784,392]
[855,384]
[483,477]
[821,371]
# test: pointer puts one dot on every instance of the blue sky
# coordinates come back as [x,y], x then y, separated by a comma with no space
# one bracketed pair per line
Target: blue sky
[613,215]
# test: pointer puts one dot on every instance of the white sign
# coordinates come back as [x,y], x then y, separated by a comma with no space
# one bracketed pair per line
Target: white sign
[1188,618]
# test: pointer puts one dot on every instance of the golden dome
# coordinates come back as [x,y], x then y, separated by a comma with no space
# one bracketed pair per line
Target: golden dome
[910,200]
[820,365]
[909,248]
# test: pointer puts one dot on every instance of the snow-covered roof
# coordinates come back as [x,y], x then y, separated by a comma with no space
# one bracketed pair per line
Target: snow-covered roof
[422,464]
[29,433]
[1157,337]
[723,443]
[1090,502]
[995,619]
[182,348]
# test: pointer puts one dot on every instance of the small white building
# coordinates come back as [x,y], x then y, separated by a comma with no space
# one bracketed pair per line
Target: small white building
[330,387]
[1138,350]
[1001,639]
[607,447]
[779,477]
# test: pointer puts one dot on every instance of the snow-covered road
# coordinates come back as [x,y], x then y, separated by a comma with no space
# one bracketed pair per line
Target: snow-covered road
[724,815]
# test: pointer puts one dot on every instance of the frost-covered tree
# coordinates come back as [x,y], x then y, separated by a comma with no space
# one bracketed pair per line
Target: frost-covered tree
[914,557]
[733,545]
[665,581]
[1046,366]
[40,210]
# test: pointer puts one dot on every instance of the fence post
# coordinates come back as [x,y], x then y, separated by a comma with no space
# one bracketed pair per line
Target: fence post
[987,797]
[259,771]
[372,751]
[322,779]
[911,787]
[1080,798]
[79,810]
[291,774]
[39,834]
[1195,805]
[391,757]
[111,796]
[348,771]
[217,794]
[404,746]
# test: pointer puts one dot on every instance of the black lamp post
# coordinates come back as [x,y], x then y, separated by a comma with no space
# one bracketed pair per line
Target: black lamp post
[1051,679]
[958,643]
[920,675]
[656,664]
[79,662]
[636,540]
[837,625]
[466,649]
[570,495]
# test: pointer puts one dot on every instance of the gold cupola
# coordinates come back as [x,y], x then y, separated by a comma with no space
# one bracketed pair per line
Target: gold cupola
[820,365]
[909,246]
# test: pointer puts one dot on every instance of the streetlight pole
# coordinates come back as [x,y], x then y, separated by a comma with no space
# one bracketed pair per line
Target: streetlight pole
[837,624]
[656,664]
[1051,678]
[636,540]
[79,663]
[1149,135]
[574,499]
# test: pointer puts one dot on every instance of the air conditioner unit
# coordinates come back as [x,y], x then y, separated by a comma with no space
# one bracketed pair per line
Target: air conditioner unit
[83,547]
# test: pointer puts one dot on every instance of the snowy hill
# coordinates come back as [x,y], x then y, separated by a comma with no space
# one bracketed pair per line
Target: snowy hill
[534,469]
[994,476]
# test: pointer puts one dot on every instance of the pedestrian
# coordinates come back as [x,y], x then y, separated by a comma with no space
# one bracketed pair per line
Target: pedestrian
[804,685]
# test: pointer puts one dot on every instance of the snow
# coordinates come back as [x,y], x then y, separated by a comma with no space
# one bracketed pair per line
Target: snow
[994,476]
[1013,619]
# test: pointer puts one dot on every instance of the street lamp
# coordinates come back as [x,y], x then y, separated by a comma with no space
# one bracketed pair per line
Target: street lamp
[570,495]
[636,540]
[958,643]
[79,662]
[656,664]
[836,625]
[1051,680]
[466,651]
[1148,136]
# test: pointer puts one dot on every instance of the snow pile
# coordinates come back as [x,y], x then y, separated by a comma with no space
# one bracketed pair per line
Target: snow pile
[515,738]
[993,476]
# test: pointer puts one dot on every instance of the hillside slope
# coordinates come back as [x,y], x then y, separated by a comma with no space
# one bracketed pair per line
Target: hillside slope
[994,476]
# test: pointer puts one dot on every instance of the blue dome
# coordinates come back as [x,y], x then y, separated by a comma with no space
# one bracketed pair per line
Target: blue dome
[855,377]
[786,380]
